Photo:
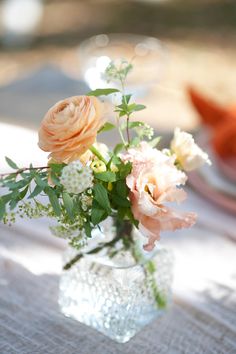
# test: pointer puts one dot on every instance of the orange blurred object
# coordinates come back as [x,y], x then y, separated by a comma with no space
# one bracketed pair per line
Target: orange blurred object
[222,121]
[224,139]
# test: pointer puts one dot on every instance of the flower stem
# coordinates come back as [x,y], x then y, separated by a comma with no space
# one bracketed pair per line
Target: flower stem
[149,269]
[23,170]
[93,251]
[127,129]
[97,153]
[121,135]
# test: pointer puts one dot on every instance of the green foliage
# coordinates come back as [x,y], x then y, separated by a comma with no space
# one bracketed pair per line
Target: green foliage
[98,214]
[68,204]
[37,190]
[132,125]
[118,148]
[107,127]
[42,183]
[52,195]
[107,176]
[2,209]
[11,163]
[102,92]
[56,167]
[126,109]
[124,170]
[101,197]
[155,141]
[118,71]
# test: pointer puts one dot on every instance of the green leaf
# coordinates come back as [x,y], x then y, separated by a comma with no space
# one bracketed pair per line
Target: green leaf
[13,203]
[2,209]
[136,124]
[53,200]
[123,202]
[135,141]
[131,107]
[122,113]
[106,127]
[40,182]
[121,188]
[7,197]
[107,176]
[118,148]
[17,185]
[115,160]
[68,204]
[153,143]
[101,196]
[98,215]
[11,176]
[88,229]
[55,179]
[122,213]
[132,125]
[11,163]
[23,193]
[125,170]
[102,92]
[56,168]
[126,99]
[37,190]
[139,107]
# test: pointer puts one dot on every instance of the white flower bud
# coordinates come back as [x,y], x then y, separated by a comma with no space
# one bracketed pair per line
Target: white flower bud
[188,154]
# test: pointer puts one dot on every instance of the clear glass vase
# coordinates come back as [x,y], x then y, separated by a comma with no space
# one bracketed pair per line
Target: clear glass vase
[114,291]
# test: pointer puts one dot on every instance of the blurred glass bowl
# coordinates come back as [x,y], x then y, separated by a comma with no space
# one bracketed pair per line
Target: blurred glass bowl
[147,54]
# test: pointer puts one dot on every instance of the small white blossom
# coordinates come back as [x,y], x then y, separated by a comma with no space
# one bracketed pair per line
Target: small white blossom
[149,132]
[189,155]
[86,201]
[145,130]
[76,178]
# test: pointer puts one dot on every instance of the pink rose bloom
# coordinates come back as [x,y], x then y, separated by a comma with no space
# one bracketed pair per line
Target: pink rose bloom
[155,180]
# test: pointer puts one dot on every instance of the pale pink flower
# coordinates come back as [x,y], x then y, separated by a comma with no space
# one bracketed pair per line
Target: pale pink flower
[155,180]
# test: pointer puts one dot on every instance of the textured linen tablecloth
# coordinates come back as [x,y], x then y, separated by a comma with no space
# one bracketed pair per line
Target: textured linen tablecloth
[202,318]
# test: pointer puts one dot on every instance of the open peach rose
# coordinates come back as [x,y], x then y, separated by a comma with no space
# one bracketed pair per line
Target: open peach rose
[154,180]
[70,127]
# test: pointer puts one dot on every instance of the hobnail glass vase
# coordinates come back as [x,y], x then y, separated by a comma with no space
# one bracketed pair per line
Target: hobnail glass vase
[114,291]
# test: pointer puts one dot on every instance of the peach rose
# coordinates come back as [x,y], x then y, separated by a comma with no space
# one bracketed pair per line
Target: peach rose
[70,127]
[154,180]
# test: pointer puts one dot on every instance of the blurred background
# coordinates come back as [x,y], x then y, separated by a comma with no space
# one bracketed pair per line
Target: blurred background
[52,49]
[41,58]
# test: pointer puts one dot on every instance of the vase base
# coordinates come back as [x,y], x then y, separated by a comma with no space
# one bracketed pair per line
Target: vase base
[118,334]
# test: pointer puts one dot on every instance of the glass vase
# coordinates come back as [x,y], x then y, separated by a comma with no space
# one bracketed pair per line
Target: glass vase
[113,290]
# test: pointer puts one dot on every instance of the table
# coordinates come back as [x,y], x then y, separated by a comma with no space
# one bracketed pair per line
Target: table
[201,319]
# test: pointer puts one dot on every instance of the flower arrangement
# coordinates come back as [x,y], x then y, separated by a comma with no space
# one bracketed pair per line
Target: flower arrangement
[85,182]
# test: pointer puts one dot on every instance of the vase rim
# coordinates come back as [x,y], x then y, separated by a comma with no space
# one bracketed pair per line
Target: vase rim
[106,261]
